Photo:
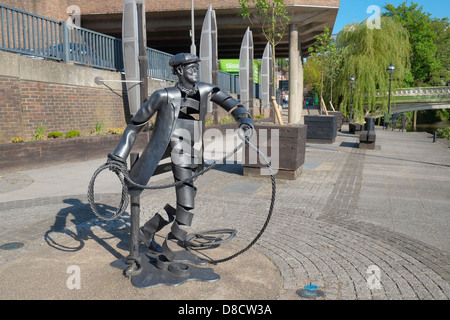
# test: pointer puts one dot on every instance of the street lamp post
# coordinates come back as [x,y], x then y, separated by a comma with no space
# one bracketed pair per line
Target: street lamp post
[193,47]
[352,83]
[390,70]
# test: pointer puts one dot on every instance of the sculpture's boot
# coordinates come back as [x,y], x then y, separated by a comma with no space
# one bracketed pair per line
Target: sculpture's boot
[152,226]
[149,240]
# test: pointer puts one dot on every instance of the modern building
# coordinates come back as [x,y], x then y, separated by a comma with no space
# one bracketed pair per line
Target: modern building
[169,22]
[168,25]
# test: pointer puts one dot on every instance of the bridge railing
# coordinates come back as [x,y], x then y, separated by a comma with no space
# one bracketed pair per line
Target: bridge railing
[418,95]
[419,91]
[422,91]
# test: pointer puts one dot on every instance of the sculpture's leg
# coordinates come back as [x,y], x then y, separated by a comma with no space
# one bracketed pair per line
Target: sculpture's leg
[133,260]
[185,194]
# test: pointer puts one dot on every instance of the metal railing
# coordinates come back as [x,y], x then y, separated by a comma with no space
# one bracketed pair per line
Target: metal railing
[40,37]
[92,49]
[158,65]
[29,34]
[228,82]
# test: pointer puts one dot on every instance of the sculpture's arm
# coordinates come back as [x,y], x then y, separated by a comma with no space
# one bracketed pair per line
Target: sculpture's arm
[139,120]
[238,111]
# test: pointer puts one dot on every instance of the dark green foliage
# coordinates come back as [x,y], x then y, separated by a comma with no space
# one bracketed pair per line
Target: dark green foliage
[55,135]
[72,134]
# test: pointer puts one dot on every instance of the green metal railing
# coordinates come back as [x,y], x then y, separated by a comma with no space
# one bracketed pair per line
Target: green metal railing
[418,95]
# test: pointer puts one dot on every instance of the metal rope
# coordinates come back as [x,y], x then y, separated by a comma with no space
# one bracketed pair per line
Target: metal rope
[117,165]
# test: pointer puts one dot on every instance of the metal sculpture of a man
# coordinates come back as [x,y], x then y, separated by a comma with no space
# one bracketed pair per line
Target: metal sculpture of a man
[178,128]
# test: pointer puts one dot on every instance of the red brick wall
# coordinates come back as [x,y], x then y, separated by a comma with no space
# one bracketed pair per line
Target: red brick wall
[10,115]
[26,104]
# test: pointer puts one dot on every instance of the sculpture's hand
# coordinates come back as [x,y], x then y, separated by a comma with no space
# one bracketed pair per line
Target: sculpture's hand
[115,161]
[247,126]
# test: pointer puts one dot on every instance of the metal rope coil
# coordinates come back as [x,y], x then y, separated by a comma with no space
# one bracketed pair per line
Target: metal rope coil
[117,165]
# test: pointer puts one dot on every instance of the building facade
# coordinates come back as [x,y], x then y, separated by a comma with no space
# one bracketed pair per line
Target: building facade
[168,25]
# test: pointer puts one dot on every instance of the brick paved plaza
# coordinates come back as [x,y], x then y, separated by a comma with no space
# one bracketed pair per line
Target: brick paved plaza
[351,215]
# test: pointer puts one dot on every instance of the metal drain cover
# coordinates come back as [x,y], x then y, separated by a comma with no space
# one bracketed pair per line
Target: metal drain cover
[310,292]
[11,245]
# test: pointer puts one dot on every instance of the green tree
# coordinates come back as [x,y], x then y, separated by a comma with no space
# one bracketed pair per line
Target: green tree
[366,53]
[272,17]
[422,37]
[322,51]
[441,74]
[334,57]
[311,72]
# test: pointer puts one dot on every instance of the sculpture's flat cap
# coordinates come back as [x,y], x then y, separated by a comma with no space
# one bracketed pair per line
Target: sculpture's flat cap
[183,58]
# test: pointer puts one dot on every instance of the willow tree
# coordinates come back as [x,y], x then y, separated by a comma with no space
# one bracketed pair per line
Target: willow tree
[366,53]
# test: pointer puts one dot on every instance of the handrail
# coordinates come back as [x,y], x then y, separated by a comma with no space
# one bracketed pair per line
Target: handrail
[43,38]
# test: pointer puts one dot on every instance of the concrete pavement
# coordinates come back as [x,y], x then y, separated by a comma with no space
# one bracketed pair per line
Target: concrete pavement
[360,224]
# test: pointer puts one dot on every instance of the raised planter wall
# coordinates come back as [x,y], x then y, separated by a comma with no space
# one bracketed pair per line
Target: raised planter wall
[291,150]
[338,115]
[37,154]
[321,129]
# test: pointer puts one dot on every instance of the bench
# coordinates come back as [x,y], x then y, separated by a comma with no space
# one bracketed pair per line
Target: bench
[399,118]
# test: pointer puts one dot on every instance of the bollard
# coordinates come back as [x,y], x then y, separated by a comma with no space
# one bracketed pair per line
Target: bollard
[435,136]
[370,124]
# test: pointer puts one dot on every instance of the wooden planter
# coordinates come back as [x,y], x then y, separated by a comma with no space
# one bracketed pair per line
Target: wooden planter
[338,116]
[37,154]
[321,129]
[287,155]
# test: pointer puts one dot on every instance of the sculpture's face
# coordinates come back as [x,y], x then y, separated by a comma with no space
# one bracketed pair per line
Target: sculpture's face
[190,73]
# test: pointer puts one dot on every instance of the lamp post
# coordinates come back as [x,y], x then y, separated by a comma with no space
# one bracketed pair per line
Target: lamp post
[193,47]
[390,70]
[352,84]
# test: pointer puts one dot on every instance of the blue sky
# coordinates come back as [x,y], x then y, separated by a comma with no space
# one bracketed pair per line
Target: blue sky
[356,10]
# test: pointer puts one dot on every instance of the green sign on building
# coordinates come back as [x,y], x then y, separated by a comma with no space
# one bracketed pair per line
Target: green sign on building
[232,66]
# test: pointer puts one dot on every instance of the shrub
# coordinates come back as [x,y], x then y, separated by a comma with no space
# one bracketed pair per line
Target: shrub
[444,133]
[55,135]
[72,134]
[116,130]
[16,139]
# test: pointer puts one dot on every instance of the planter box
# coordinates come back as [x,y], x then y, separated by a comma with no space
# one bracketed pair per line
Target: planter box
[321,129]
[355,127]
[283,145]
[338,116]
[37,154]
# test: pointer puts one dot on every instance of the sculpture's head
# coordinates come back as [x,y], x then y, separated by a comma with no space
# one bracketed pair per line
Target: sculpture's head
[186,67]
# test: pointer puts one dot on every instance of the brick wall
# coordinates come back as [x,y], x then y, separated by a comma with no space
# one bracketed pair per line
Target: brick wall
[60,96]
[27,104]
